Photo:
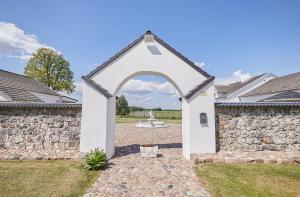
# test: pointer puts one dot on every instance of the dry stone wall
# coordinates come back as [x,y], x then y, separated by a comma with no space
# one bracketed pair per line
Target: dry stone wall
[54,132]
[39,133]
[261,128]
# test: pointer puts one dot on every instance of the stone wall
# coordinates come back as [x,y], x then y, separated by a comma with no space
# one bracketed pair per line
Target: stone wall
[258,128]
[39,133]
[52,132]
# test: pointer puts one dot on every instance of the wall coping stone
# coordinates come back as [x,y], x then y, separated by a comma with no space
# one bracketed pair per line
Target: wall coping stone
[39,105]
[257,104]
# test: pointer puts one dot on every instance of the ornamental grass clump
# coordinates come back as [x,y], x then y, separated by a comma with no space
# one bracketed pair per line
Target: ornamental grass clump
[95,160]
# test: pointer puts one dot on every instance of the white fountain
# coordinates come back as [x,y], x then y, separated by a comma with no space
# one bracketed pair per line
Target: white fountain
[151,122]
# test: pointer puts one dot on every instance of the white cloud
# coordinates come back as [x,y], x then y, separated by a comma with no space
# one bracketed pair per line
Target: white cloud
[242,76]
[136,86]
[200,64]
[15,43]
[236,76]
[148,98]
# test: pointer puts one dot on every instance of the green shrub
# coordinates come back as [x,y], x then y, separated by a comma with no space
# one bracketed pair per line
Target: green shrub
[95,160]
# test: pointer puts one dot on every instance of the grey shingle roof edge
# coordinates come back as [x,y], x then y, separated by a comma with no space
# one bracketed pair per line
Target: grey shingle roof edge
[287,82]
[97,87]
[237,87]
[160,41]
[38,105]
[257,104]
[198,87]
[18,81]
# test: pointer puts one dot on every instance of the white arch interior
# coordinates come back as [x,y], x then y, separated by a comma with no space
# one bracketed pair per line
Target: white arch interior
[141,73]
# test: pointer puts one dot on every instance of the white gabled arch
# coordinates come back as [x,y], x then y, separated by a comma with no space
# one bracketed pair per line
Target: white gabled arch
[148,55]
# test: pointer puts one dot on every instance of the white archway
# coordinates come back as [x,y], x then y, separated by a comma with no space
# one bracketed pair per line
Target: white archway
[148,55]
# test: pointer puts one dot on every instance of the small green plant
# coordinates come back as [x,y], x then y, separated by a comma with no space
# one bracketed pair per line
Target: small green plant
[95,160]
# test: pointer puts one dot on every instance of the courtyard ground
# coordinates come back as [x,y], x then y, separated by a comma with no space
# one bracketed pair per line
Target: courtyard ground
[130,175]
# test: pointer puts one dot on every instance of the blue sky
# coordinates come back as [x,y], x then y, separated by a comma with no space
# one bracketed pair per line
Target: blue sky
[241,37]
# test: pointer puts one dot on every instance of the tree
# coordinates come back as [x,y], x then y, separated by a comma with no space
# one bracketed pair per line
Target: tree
[134,108]
[156,109]
[51,69]
[122,106]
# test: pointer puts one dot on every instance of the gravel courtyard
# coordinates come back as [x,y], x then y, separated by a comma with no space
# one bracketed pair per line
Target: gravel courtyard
[130,175]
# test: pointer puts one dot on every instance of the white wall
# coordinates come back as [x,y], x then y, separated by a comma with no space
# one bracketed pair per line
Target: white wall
[141,61]
[202,137]
[94,119]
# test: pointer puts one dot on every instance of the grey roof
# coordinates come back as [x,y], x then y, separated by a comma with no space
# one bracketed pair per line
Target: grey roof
[257,104]
[160,41]
[198,87]
[228,89]
[39,105]
[224,88]
[19,87]
[286,96]
[19,94]
[97,87]
[279,84]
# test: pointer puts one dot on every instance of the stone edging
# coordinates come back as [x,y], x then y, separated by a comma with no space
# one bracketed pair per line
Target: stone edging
[248,157]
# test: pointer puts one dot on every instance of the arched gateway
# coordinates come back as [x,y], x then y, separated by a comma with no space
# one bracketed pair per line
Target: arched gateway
[148,55]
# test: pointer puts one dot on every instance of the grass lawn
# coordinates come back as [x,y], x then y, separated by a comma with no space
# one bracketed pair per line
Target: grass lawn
[133,120]
[44,178]
[250,179]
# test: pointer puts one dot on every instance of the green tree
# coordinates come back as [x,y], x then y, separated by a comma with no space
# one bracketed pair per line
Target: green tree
[51,69]
[122,106]
[156,109]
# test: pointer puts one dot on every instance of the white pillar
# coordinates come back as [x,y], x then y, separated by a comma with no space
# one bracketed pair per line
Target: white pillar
[185,129]
[196,137]
[110,131]
[97,125]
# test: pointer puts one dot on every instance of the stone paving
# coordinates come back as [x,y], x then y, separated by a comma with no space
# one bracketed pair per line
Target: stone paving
[130,175]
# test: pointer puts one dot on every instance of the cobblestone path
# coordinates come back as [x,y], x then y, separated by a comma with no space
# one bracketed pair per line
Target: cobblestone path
[133,176]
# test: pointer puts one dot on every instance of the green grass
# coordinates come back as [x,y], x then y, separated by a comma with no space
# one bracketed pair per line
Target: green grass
[44,178]
[134,120]
[236,180]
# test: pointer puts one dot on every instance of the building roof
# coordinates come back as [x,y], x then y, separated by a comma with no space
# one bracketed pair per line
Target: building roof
[286,96]
[228,89]
[39,105]
[198,87]
[257,104]
[279,84]
[157,39]
[19,87]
